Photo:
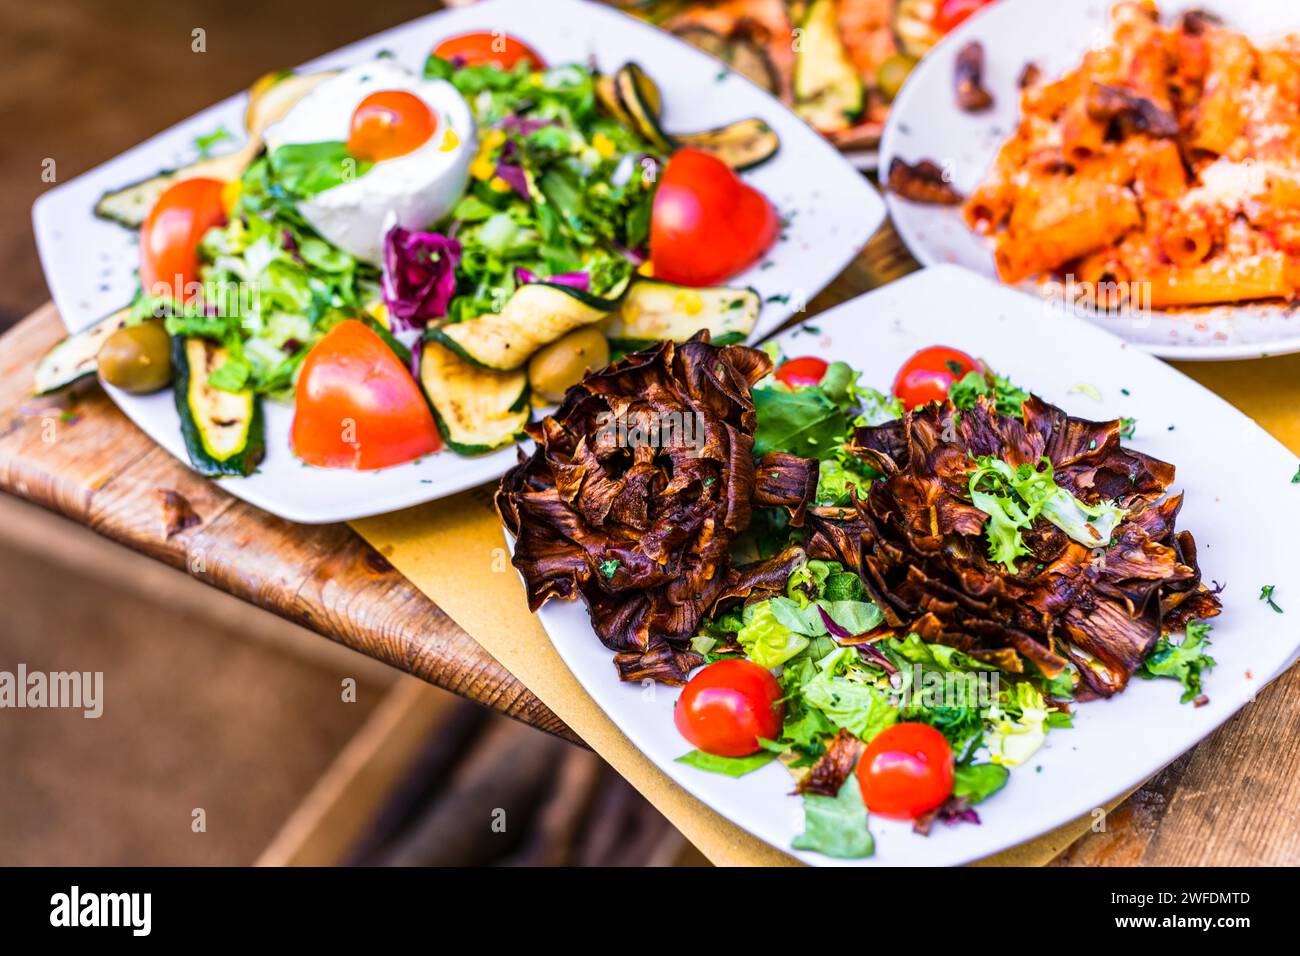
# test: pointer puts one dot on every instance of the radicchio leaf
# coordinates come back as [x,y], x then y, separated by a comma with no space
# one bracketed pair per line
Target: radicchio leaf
[419,276]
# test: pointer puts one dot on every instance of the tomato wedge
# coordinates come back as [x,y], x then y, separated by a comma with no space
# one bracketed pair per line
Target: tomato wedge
[727,706]
[169,238]
[802,372]
[357,405]
[495,48]
[927,375]
[706,224]
[905,771]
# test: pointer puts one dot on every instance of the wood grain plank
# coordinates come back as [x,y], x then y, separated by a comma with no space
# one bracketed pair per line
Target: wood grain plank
[83,459]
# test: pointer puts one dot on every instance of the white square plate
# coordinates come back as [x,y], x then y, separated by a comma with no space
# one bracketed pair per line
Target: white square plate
[1245,520]
[925,123]
[829,209]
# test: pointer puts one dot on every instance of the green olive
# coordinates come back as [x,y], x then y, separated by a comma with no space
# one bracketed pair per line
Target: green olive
[137,358]
[554,368]
[893,74]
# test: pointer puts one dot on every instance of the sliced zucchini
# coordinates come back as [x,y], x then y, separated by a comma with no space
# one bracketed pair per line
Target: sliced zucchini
[607,96]
[738,52]
[76,357]
[536,314]
[640,98]
[223,431]
[828,92]
[129,205]
[477,409]
[913,24]
[741,145]
[653,311]
[268,100]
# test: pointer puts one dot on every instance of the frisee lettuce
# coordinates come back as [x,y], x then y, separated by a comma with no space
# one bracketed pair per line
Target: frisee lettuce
[1013,497]
[1184,662]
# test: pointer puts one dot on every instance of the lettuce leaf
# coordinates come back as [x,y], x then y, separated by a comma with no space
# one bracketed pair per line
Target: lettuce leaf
[836,826]
[1019,728]
[306,169]
[1014,497]
[978,781]
[730,766]
[1184,662]
[767,641]
[840,690]
[806,422]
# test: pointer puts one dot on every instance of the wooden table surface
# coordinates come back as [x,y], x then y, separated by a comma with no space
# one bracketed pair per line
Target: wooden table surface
[1232,800]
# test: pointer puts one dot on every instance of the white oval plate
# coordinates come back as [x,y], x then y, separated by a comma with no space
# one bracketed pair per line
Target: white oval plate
[925,123]
[1245,520]
[829,209]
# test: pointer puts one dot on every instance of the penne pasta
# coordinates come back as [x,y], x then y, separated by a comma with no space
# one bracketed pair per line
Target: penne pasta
[1169,157]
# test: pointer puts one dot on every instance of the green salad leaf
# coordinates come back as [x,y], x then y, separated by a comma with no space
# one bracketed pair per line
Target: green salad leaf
[1184,662]
[730,766]
[767,641]
[806,422]
[978,781]
[836,826]
[1013,497]
[1008,399]
[306,169]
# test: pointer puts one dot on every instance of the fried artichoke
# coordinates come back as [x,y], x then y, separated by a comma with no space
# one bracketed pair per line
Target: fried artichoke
[637,487]
[919,544]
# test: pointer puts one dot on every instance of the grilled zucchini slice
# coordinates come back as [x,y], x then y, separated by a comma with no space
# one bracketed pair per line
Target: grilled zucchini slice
[828,92]
[653,311]
[538,313]
[223,431]
[478,410]
[641,100]
[741,145]
[75,357]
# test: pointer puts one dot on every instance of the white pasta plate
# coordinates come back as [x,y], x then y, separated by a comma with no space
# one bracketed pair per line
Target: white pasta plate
[829,212]
[926,123]
[1245,524]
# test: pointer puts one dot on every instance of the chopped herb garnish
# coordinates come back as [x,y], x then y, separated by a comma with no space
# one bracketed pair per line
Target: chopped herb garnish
[1266,594]
[205,143]
[608,568]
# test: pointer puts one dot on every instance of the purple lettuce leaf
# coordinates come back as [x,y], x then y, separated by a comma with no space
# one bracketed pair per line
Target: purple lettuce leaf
[419,276]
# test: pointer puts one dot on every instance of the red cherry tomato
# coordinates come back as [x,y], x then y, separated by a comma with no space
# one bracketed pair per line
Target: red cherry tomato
[706,224]
[927,375]
[727,706]
[357,406]
[169,238]
[801,372]
[390,123]
[952,13]
[496,48]
[905,771]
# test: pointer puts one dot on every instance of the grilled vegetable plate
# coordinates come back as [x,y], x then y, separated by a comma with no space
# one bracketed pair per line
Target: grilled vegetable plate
[487,248]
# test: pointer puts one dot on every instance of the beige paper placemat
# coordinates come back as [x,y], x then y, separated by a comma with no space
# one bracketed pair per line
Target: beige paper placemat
[453,550]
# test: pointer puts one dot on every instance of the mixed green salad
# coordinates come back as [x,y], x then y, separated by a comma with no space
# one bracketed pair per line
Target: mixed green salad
[846,674]
[478,236]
